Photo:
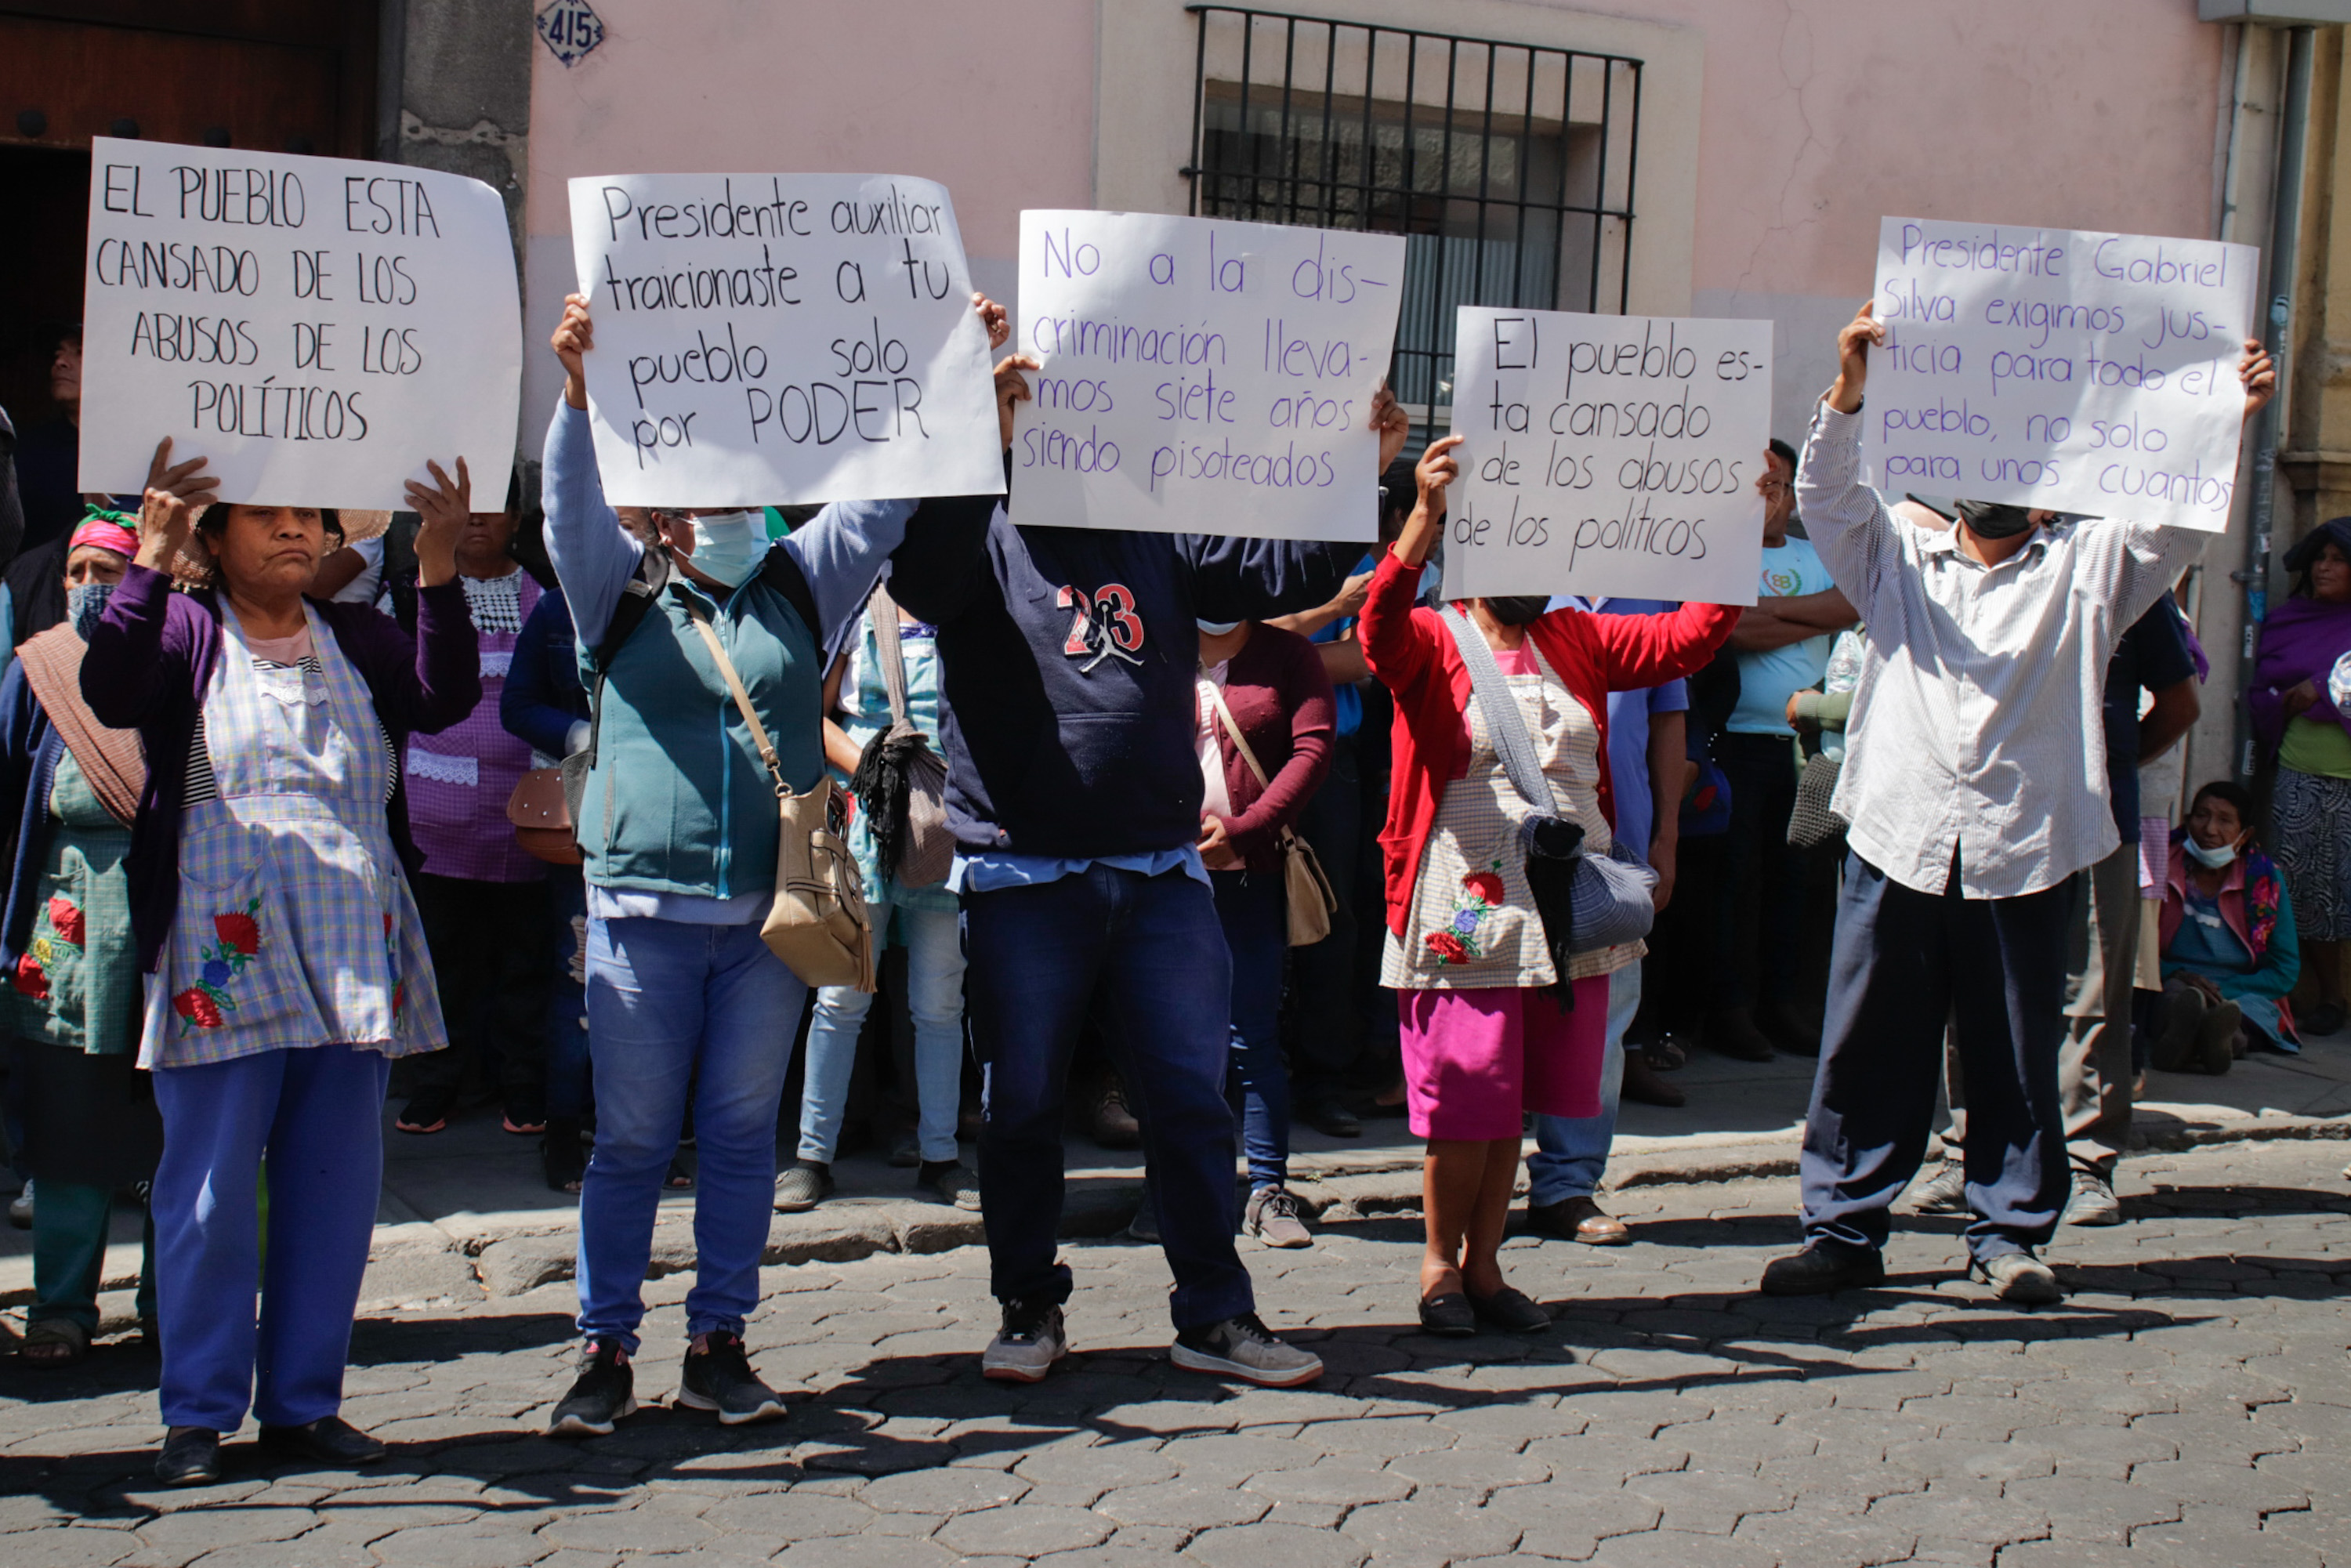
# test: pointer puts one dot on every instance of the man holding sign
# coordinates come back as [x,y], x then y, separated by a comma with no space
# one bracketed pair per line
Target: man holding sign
[1974,803]
[1069,658]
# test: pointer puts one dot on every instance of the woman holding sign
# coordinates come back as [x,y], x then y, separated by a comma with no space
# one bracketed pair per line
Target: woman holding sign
[1492,1028]
[286,964]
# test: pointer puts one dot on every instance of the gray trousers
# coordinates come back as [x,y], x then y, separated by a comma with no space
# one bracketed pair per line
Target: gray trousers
[2093,1070]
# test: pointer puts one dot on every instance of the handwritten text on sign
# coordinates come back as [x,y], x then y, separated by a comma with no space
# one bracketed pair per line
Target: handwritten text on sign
[2081,371]
[1202,376]
[317,328]
[1612,454]
[780,339]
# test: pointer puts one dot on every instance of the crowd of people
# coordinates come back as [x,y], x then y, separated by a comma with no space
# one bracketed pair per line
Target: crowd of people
[1231,835]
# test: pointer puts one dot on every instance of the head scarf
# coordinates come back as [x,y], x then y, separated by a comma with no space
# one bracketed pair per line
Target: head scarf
[107,530]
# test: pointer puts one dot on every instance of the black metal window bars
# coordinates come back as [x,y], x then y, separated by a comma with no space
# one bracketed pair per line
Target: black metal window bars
[1507,167]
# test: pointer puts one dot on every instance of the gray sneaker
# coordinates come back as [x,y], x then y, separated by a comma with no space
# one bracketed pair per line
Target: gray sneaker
[2021,1278]
[1245,1348]
[1025,1349]
[1946,1192]
[1273,1219]
[802,1186]
[2093,1202]
[950,1183]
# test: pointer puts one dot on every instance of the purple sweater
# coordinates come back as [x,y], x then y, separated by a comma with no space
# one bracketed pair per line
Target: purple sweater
[151,662]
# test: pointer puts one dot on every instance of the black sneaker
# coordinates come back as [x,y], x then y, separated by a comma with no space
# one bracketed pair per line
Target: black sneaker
[1030,1341]
[602,1393]
[1823,1268]
[331,1441]
[719,1378]
[191,1457]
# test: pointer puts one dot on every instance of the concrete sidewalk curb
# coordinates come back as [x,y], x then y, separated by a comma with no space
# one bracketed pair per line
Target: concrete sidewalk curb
[469,1258]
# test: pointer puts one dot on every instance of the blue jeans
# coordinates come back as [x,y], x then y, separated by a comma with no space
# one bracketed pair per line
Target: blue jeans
[934,966]
[1254,909]
[566,995]
[1037,953]
[316,1117]
[1571,1152]
[665,998]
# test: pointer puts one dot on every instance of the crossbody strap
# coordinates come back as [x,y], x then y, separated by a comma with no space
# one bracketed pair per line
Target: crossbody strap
[885,611]
[1240,742]
[1505,725]
[701,619]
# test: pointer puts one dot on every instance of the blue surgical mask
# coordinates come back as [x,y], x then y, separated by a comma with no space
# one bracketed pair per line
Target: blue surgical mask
[84,603]
[729,546]
[2211,859]
[1218,628]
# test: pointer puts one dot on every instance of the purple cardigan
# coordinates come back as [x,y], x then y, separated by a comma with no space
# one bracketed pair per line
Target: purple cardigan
[151,662]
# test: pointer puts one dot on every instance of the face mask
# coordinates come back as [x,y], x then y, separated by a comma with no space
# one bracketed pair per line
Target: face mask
[2211,860]
[729,546]
[1991,521]
[84,603]
[1217,628]
[1519,612]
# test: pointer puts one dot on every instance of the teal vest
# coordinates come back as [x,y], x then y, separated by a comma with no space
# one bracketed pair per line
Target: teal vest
[678,800]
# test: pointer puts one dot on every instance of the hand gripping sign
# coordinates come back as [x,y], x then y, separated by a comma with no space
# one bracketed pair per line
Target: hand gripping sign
[316,328]
[1202,376]
[780,339]
[2076,371]
[1610,454]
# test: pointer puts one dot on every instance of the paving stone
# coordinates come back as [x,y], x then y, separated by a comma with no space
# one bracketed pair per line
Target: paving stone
[1808,1538]
[1679,1548]
[479,1545]
[1346,1485]
[788,1515]
[1186,1504]
[1270,1545]
[1101,1468]
[941,1491]
[1418,1532]
[72,1547]
[644,1528]
[1710,1502]
[1564,1521]
[2196,1545]
[862,1552]
[1024,1531]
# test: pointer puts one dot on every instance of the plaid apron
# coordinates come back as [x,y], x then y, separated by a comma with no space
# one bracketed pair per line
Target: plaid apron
[295,926]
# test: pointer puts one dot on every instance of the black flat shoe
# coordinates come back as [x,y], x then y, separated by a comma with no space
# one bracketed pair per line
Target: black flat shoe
[329,1440]
[191,1457]
[1822,1268]
[1512,1311]
[1449,1315]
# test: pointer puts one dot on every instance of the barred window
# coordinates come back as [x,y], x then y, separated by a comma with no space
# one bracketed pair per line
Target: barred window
[1507,167]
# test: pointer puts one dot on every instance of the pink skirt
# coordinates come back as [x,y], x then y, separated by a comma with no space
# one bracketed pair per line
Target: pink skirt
[1475,1062]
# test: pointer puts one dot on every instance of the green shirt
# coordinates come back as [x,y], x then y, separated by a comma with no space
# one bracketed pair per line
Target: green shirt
[2320,747]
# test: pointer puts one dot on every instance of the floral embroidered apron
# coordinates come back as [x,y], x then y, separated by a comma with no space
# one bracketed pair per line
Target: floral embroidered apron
[1473,923]
[295,926]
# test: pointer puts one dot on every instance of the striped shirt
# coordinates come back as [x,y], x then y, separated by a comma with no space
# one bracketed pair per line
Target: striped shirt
[200,784]
[1976,733]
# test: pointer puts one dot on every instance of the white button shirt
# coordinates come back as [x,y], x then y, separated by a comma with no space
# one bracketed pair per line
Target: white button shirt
[1977,729]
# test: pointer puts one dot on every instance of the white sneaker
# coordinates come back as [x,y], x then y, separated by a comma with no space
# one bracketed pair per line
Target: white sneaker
[2021,1278]
[1245,1348]
[1025,1349]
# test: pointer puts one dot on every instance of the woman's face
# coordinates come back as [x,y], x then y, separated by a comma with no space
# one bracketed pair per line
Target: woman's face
[268,550]
[2330,575]
[2214,823]
[93,563]
[482,543]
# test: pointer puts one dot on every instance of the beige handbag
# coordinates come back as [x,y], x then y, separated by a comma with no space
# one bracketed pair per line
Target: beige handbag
[817,924]
[1312,902]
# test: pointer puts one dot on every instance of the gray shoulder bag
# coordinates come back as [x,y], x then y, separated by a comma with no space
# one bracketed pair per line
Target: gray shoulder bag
[1587,902]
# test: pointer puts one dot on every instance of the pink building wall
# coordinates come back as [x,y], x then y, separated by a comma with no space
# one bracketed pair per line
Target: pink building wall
[1817,117]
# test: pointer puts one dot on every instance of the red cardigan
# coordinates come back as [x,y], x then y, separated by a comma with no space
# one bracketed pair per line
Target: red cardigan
[1281,699]
[1412,652]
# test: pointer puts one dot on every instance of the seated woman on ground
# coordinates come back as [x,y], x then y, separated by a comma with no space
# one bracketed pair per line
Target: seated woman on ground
[2229,950]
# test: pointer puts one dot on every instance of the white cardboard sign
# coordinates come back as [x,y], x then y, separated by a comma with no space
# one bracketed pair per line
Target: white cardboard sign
[2060,368]
[780,339]
[1202,376]
[316,328]
[1608,454]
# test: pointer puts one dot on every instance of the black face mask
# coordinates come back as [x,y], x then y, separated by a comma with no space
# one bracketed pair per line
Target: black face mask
[1522,611]
[1991,521]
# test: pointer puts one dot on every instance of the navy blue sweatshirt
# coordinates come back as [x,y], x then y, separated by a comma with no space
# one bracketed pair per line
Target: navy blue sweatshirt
[1067,660]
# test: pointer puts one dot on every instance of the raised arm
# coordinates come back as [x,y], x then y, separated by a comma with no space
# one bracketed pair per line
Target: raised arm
[943,565]
[1399,647]
[137,660]
[1849,526]
[1639,650]
[593,555]
[441,682]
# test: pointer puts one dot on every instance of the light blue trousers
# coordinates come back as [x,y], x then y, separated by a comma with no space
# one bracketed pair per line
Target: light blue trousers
[1571,1152]
[934,965]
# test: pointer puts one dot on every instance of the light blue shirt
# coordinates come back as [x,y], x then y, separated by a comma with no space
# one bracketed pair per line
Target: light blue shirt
[1767,680]
[986,873]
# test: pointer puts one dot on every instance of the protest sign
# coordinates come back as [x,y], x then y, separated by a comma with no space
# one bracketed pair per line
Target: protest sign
[316,328]
[782,339]
[2080,372]
[1202,376]
[1613,455]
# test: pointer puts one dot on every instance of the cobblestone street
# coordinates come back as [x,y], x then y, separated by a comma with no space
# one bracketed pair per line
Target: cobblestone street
[2191,1404]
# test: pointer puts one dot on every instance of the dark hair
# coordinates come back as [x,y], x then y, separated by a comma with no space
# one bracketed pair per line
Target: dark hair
[2238,798]
[205,574]
[2304,556]
[1784,453]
